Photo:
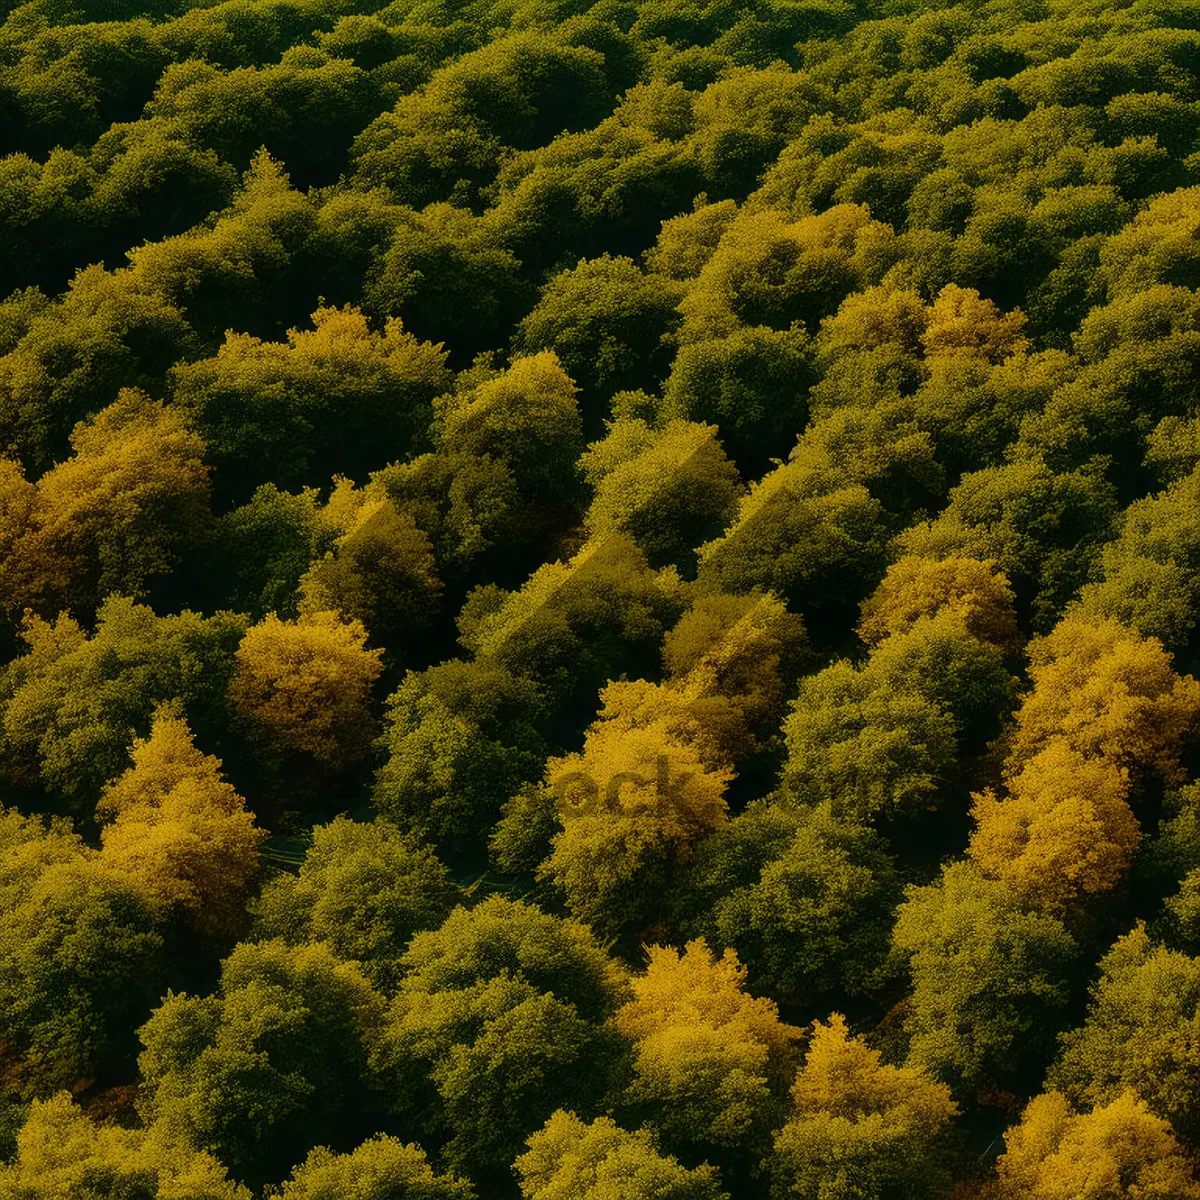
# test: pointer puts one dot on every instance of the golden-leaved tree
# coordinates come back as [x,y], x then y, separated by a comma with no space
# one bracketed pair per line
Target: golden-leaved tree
[179,831]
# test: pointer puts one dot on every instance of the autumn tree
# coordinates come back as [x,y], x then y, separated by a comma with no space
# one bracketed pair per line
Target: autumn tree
[304,685]
[711,1063]
[1064,833]
[920,587]
[631,804]
[1118,1150]
[62,1152]
[591,1160]
[122,510]
[862,1127]
[1107,692]
[179,831]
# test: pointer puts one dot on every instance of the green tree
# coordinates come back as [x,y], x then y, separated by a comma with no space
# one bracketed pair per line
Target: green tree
[1138,1033]
[382,1168]
[990,980]
[272,1064]
[363,889]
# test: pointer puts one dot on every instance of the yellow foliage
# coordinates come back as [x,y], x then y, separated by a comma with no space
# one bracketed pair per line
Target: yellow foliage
[1106,691]
[843,1077]
[179,831]
[306,684]
[916,587]
[1065,830]
[1120,1151]
[110,517]
[635,798]
[961,322]
[710,1054]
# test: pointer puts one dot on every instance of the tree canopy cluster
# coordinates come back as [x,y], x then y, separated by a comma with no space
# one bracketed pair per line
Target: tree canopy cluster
[599,600]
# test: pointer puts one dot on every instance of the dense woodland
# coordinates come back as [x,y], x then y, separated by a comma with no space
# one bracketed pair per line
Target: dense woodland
[598,600]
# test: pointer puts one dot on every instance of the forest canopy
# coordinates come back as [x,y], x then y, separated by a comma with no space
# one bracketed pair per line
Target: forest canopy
[599,600]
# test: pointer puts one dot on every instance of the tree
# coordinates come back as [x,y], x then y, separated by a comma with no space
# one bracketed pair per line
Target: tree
[804,898]
[866,745]
[180,833]
[582,621]
[711,1063]
[862,1127]
[753,384]
[631,805]
[60,1152]
[363,889]
[1063,834]
[743,650]
[339,398]
[460,739]
[1108,692]
[671,488]
[305,684]
[380,572]
[272,1064]
[1043,528]
[526,417]
[1117,1151]
[80,963]
[382,1168]
[122,510]
[607,321]
[599,1159]
[495,1025]
[811,535]
[1138,1033]
[73,703]
[988,976]
[921,587]
[1149,569]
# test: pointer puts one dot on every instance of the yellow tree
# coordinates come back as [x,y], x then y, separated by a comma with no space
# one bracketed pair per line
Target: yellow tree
[961,322]
[63,1154]
[712,1063]
[861,1127]
[179,831]
[1119,1151]
[631,805]
[111,517]
[305,684]
[1107,692]
[916,587]
[1064,832]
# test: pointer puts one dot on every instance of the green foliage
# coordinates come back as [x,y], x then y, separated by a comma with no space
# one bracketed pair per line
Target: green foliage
[363,889]
[272,1064]
[990,980]
[777,878]
[72,703]
[1138,1033]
